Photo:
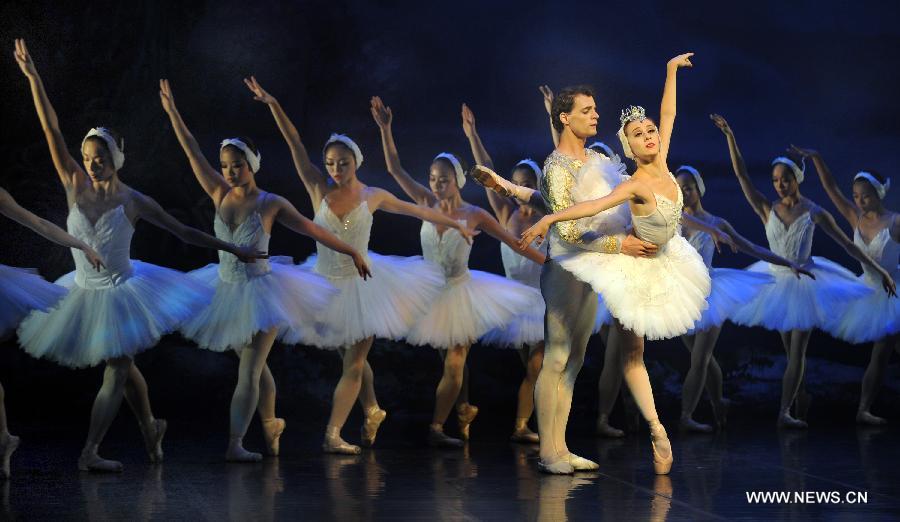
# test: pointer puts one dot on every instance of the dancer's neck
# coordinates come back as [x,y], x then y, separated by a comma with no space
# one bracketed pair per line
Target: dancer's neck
[571,145]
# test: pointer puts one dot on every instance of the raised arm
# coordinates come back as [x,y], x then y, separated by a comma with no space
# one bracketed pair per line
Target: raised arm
[290,217]
[210,179]
[66,166]
[667,107]
[502,207]
[492,227]
[313,179]
[415,190]
[752,249]
[548,105]
[844,205]
[390,203]
[12,210]
[758,201]
[825,220]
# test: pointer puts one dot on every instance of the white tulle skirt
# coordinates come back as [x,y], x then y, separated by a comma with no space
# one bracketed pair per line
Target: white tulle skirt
[287,298]
[655,297]
[804,303]
[731,289]
[386,305]
[476,303]
[870,318]
[88,327]
[21,291]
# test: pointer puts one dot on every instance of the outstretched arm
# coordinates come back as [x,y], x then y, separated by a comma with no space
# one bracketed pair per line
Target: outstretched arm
[211,181]
[313,179]
[487,223]
[548,105]
[415,190]
[501,206]
[752,249]
[12,210]
[66,166]
[757,199]
[390,203]
[717,235]
[667,107]
[844,205]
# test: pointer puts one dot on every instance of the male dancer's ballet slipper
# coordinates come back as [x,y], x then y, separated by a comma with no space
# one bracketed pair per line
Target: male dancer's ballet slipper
[465,414]
[603,429]
[866,418]
[437,438]
[336,445]
[6,451]
[786,421]
[93,462]
[237,453]
[525,436]
[374,417]
[560,467]
[489,179]
[272,430]
[689,424]
[661,464]
[582,464]
[153,436]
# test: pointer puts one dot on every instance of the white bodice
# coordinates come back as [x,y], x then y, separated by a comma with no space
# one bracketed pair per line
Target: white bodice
[661,225]
[883,250]
[110,236]
[354,229]
[520,268]
[248,233]
[448,250]
[703,243]
[793,242]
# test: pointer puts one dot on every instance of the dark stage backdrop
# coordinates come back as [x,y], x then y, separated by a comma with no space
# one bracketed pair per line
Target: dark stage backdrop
[819,74]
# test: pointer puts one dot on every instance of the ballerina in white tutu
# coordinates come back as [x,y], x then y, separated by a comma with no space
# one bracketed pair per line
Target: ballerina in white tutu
[731,289]
[876,318]
[110,315]
[389,303]
[22,291]
[794,307]
[254,304]
[472,303]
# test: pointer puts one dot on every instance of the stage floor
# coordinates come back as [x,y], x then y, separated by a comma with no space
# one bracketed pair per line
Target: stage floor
[489,480]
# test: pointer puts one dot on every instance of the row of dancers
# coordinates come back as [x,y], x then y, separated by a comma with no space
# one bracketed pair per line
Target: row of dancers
[111,307]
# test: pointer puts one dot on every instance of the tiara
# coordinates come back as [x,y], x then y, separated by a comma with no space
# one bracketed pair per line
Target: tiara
[632,113]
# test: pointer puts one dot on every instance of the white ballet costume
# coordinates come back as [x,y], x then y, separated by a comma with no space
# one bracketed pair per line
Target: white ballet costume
[799,303]
[655,297]
[21,291]
[387,304]
[473,303]
[118,311]
[255,297]
[877,315]
[731,289]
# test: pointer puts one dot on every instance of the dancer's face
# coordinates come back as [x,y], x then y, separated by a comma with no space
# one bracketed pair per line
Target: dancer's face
[235,168]
[98,162]
[643,138]
[524,177]
[340,163]
[865,197]
[784,181]
[582,120]
[689,189]
[442,180]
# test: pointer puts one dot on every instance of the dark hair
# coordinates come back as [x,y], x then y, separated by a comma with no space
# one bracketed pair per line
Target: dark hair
[564,101]
[342,144]
[525,168]
[120,142]
[881,179]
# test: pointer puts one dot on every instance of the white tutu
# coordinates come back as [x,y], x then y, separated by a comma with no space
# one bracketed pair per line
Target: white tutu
[473,304]
[731,289]
[655,297]
[288,297]
[804,303]
[88,326]
[386,305]
[21,291]
[869,319]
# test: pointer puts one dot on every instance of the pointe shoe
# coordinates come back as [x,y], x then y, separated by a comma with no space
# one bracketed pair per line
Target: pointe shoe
[437,437]
[489,179]
[661,464]
[465,414]
[603,429]
[93,462]
[153,439]
[370,427]
[272,430]
[786,421]
[560,467]
[582,464]
[689,424]
[525,436]
[867,419]
[335,444]
[6,451]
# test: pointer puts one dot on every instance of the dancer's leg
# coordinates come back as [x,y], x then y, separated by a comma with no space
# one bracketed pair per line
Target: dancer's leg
[532,357]
[873,379]
[106,406]
[8,442]
[367,398]
[345,394]
[272,426]
[608,386]
[793,377]
[245,399]
[138,398]
[701,356]
[447,393]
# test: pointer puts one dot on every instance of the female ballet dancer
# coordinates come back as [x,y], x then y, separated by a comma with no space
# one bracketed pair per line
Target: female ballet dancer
[254,304]
[731,289]
[22,291]
[794,307]
[472,303]
[115,313]
[388,304]
[876,231]
[526,335]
